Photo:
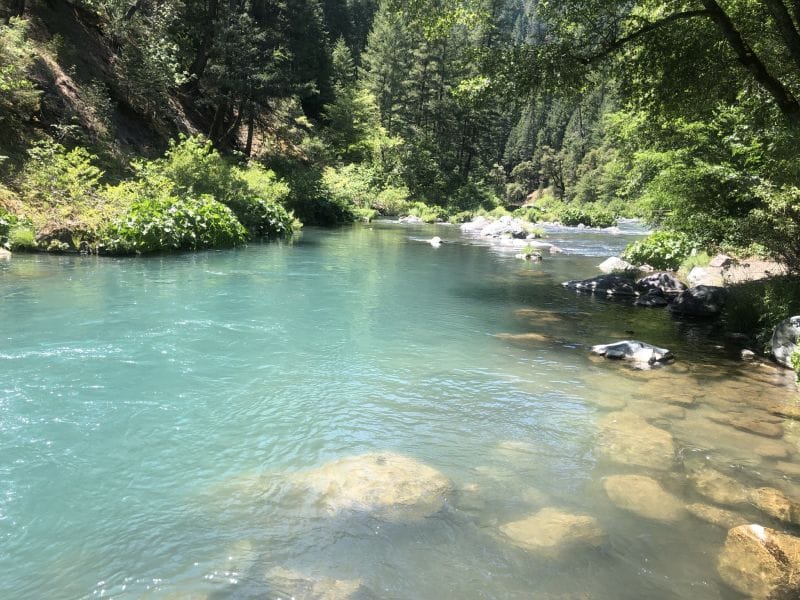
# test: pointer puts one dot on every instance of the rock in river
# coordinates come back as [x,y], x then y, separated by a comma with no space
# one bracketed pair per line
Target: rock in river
[761,563]
[699,301]
[550,531]
[784,340]
[627,438]
[643,496]
[776,504]
[717,486]
[662,281]
[716,516]
[604,285]
[652,299]
[638,352]
[388,485]
[615,265]
[299,585]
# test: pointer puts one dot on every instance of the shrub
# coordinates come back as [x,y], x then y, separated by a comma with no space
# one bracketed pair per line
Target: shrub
[21,237]
[697,259]
[7,221]
[191,166]
[588,215]
[365,214]
[756,307]
[392,201]
[429,214]
[796,362]
[171,223]
[661,250]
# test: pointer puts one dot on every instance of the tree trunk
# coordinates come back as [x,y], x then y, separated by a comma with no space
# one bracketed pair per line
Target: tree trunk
[784,98]
[198,66]
[218,124]
[787,28]
[251,125]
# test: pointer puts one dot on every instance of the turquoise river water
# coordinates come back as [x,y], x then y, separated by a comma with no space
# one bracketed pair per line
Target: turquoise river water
[155,414]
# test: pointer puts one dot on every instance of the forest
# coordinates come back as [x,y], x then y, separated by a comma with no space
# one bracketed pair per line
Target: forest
[138,125]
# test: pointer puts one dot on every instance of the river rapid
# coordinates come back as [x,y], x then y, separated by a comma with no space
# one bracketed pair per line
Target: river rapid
[359,414]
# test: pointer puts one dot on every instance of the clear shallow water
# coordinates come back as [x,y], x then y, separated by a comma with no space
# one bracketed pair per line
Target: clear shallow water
[137,395]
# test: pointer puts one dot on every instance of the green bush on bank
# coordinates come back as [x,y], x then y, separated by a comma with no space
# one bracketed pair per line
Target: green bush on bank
[661,250]
[172,223]
[192,166]
[796,363]
[756,307]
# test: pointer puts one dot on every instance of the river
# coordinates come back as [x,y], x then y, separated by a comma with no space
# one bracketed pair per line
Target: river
[157,412]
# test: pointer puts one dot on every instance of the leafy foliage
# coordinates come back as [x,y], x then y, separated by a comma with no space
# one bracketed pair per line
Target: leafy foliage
[661,250]
[162,222]
[19,98]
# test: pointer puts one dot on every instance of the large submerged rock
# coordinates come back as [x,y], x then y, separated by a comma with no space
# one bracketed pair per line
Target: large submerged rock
[776,504]
[603,285]
[643,496]
[700,301]
[635,351]
[298,585]
[718,487]
[388,485]
[627,438]
[784,340]
[761,563]
[716,516]
[551,531]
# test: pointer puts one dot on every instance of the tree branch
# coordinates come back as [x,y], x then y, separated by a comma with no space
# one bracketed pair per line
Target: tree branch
[642,31]
[787,28]
[784,98]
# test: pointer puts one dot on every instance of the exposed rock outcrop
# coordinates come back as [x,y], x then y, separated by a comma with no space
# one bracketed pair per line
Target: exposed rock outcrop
[784,340]
[701,301]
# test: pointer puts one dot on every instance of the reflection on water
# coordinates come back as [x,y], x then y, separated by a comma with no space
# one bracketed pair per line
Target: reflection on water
[361,415]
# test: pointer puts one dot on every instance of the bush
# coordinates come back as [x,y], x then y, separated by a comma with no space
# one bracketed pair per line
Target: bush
[7,221]
[171,223]
[392,201]
[310,199]
[661,250]
[429,214]
[21,237]
[796,362]
[365,214]
[191,166]
[588,215]
[756,307]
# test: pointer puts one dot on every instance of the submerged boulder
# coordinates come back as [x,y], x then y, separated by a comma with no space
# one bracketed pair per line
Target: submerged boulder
[638,352]
[761,563]
[604,285]
[551,531]
[784,340]
[776,504]
[615,265]
[627,438]
[298,585]
[699,301]
[652,299]
[643,496]
[717,486]
[716,516]
[388,485]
